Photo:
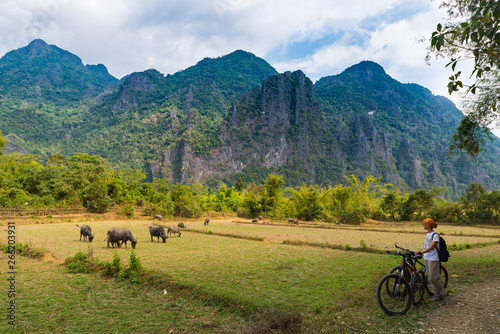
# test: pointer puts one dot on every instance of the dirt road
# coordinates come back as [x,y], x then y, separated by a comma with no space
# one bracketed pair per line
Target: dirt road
[476,310]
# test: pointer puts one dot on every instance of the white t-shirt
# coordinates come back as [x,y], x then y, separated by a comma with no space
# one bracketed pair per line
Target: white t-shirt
[433,254]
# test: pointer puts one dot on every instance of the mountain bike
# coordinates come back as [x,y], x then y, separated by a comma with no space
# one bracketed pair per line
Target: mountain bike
[444,273]
[397,291]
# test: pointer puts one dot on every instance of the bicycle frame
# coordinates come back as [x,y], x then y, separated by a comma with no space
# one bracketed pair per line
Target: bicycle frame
[398,290]
[408,263]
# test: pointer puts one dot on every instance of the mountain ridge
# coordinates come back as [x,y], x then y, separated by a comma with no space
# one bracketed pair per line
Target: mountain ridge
[235,116]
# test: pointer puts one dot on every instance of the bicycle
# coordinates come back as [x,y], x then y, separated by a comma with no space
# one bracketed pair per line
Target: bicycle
[444,274]
[397,291]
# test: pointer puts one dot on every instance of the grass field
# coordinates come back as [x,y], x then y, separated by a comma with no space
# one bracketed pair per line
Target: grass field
[230,277]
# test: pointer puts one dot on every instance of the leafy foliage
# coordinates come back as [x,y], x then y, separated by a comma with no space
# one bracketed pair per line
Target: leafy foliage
[472,33]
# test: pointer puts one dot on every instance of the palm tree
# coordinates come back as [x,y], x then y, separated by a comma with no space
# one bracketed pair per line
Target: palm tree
[308,201]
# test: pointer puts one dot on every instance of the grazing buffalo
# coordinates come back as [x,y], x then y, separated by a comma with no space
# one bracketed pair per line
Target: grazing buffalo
[255,220]
[159,217]
[117,235]
[181,225]
[173,229]
[86,231]
[206,221]
[113,243]
[157,231]
[260,217]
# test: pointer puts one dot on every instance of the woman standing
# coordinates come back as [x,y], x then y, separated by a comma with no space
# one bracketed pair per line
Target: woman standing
[431,257]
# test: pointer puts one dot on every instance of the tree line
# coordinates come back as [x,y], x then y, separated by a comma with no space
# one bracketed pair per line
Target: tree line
[87,181]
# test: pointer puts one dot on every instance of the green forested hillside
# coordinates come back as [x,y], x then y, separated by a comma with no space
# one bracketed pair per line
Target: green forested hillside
[415,125]
[234,117]
[47,74]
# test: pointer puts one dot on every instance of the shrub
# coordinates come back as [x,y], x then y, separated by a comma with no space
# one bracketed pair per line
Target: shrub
[78,267]
[127,210]
[80,256]
[121,276]
[26,250]
[116,263]
[134,263]
[134,277]
[362,243]
[356,216]
[80,263]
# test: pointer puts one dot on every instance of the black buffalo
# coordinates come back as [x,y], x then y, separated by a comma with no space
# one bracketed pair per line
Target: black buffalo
[86,231]
[117,235]
[157,231]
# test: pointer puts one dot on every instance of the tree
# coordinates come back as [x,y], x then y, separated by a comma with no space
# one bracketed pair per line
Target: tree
[308,201]
[252,200]
[391,203]
[472,33]
[240,185]
[90,176]
[479,205]
[340,198]
[364,193]
[273,186]
[416,205]
[184,201]
[3,141]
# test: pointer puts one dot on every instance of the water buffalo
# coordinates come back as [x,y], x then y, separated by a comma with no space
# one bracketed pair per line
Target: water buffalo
[181,225]
[157,231]
[121,234]
[173,229]
[206,221]
[255,220]
[86,231]
[113,242]
[159,217]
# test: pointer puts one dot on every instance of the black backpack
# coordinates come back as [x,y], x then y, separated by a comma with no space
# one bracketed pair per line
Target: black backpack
[442,249]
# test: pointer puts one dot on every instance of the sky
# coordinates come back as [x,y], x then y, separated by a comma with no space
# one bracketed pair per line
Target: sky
[319,37]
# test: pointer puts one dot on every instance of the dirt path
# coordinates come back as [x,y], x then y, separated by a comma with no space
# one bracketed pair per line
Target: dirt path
[476,310]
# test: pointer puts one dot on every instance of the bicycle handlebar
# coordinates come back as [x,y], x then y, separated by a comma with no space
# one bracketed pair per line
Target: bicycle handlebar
[414,255]
[403,248]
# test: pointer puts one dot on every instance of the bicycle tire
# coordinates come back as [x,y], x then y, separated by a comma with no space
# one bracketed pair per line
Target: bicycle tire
[443,278]
[394,295]
[418,286]
[407,274]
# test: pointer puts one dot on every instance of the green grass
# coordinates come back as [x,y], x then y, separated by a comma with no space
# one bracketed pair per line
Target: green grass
[227,281]
[51,300]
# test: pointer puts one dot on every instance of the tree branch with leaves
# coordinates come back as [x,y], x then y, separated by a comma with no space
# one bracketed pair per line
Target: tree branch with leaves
[472,34]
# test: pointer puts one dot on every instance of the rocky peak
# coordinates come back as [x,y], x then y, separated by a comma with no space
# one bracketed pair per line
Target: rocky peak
[134,84]
[99,69]
[37,48]
[366,69]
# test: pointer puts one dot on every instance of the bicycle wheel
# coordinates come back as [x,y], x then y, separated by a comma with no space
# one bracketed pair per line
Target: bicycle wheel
[394,295]
[418,287]
[406,275]
[443,278]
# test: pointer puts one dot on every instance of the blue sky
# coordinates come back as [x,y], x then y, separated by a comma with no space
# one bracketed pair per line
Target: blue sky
[319,37]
